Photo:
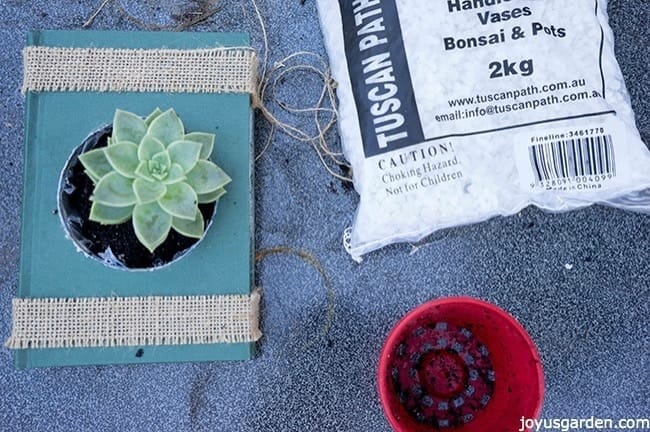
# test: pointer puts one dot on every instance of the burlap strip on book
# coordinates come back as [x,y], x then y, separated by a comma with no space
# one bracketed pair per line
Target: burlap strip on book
[131,321]
[212,70]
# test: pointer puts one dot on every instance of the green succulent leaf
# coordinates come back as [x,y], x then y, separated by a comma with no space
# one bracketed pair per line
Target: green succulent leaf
[159,165]
[180,201]
[114,190]
[96,164]
[176,174]
[167,127]
[207,177]
[151,117]
[128,127]
[206,139]
[185,153]
[149,146]
[151,224]
[123,156]
[163,159]
[92,177]
[142,171]
[107,215]
[211,196]
[189,228]
[148,191]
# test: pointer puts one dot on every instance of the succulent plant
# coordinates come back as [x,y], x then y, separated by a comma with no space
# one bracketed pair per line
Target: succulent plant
[155,174]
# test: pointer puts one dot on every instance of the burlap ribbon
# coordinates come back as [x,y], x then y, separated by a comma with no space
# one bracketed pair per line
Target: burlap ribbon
[134,321]
[212,70]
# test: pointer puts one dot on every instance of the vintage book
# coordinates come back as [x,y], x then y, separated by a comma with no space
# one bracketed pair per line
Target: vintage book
[61,111]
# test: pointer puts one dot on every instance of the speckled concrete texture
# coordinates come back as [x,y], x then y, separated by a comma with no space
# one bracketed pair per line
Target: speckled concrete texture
[578,281]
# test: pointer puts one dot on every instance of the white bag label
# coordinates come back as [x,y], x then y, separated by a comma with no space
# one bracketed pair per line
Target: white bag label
[510,65]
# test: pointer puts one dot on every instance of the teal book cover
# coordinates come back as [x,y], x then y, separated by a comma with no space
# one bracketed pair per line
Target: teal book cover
[58,120]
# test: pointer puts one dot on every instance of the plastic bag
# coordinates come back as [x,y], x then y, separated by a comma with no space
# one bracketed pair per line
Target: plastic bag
[455,111]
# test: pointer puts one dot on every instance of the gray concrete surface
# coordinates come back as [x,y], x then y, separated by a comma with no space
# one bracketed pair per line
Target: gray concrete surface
[590,319]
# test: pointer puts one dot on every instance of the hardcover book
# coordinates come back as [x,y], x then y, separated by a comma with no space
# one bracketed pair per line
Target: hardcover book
[209,288]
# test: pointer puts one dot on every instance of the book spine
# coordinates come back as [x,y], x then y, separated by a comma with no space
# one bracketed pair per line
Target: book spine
[21,357]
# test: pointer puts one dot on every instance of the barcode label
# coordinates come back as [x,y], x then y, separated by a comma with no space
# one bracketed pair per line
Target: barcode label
[567,159]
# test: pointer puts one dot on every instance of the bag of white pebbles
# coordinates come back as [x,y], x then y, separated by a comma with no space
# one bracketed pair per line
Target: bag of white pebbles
[455,111]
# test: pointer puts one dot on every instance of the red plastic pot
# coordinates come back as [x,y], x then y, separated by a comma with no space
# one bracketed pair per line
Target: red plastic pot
[459,364]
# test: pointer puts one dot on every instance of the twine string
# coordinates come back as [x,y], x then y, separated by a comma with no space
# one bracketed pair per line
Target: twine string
[326,104]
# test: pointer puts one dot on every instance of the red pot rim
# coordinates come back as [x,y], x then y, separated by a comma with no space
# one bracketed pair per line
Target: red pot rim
[384,384]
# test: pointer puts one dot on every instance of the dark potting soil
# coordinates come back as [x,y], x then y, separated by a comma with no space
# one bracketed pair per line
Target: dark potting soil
[96,239]
[442,375]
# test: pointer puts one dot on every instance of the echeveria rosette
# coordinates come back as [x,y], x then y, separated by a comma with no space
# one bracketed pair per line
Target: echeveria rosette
[155,174]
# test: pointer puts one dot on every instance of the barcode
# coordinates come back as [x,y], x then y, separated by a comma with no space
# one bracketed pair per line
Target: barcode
[572,158]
